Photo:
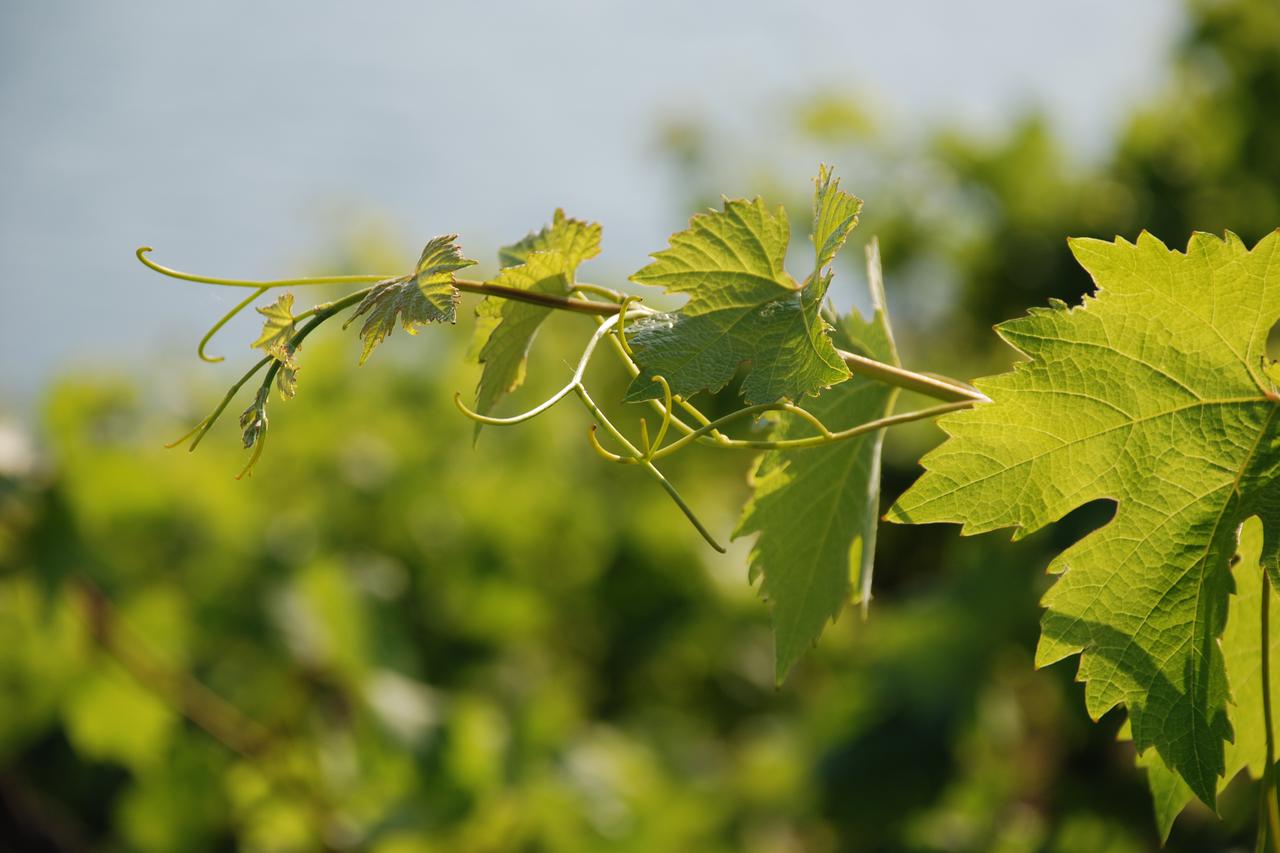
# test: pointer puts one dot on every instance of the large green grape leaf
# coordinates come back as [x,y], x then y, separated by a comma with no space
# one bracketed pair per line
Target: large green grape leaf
[1240,652]
[816,509]
[743,307]
[1154,394]
[545,262]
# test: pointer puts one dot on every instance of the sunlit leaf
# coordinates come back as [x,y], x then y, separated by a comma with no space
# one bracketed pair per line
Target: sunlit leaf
[429,296]
[1153,394]
[1240,652]
[545,262]
[817,508]
[743,307]
[277,331]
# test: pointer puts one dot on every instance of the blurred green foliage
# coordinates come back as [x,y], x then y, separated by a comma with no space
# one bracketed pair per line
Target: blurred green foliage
[525,648]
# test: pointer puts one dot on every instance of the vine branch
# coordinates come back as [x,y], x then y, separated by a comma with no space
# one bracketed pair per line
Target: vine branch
[611,316]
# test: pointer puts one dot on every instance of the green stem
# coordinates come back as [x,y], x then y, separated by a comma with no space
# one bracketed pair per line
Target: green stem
[240,282]
[1268,805]
[648,466]
[937,387]
[940,388]
[208,336]
[202,428]
[547,300]
[318,315]
[580,306]
[811,441]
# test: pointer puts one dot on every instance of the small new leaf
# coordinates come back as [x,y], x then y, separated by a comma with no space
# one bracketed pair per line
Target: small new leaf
[428,296]
[835,214]
[817,509]
[743,307]
[440,259]
[253,420]
[545,262]
[397,300]
[1152,394]
[577,240]
[277,331]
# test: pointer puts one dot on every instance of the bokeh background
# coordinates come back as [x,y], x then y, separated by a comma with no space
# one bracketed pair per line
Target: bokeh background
[386,640]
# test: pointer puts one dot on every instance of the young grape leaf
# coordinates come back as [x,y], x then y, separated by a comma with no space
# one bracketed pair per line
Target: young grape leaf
[1240,652]
[277,330]
[1153,394]
[545,262]
[577,240]
[427,296]
[816,509]
[400,300]
[253,420]
[743,307]
[287,377]
[440,259]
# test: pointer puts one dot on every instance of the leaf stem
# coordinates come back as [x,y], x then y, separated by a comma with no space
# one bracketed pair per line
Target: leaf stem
[1268,805]
[939,388]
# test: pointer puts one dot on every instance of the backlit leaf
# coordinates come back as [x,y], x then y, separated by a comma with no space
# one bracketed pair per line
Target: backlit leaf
[743,307]
[1153,394]
[277,330]
[817,508]
[545,262]
[429,296]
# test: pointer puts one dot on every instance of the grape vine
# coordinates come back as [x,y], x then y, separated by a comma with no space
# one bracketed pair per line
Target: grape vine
[1156,393]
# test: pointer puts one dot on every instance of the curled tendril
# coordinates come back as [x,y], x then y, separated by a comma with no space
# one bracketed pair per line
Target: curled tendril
[594,440]
[613,326]
[634,455]
[574,383]
[204,342]
[666,418]
[606,293]
[648,466]
[809,418]
[514,419]
[633,369]
[241,282]
[622,324]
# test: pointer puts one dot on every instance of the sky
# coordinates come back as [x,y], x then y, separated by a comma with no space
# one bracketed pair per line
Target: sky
[241,138]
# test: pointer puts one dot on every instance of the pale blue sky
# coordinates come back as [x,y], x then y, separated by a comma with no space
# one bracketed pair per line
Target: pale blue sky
[237,136]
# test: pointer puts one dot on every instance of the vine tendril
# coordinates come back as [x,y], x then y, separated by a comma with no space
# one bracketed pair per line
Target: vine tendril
[240,306]
[241,282]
